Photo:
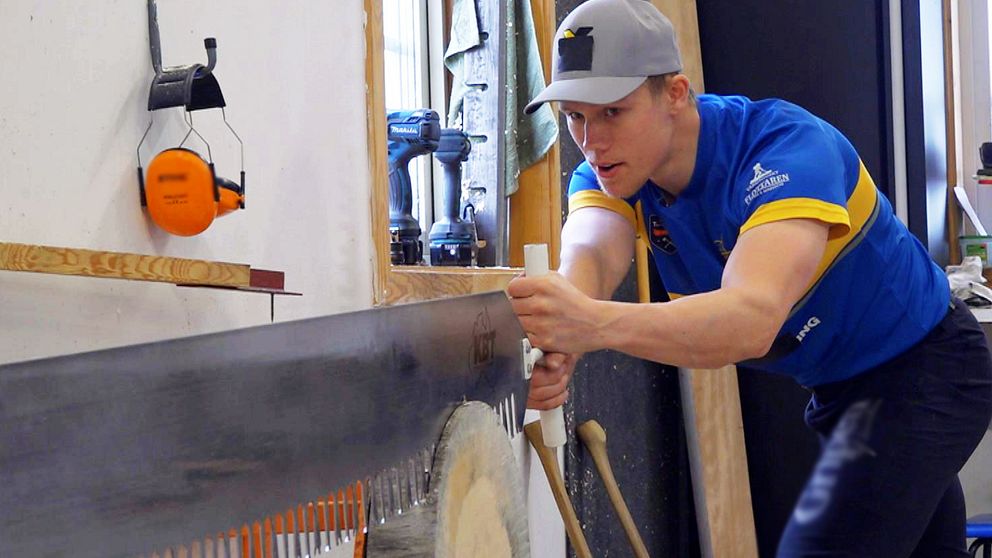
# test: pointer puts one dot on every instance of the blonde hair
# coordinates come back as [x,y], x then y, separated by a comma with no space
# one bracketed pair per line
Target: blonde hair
[660,82]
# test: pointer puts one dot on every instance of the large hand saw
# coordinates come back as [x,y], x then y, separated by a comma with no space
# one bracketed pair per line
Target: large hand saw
[126,451]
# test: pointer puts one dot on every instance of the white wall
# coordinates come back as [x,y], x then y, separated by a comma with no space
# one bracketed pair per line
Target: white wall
[74,80]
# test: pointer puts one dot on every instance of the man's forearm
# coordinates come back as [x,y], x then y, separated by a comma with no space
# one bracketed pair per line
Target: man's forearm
[708,330]
[585,268]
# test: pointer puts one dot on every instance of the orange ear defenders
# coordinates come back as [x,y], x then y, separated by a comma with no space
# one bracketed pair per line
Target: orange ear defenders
[184,194]
[182,191]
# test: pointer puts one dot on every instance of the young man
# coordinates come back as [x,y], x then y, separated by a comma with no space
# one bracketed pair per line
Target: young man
[779,253]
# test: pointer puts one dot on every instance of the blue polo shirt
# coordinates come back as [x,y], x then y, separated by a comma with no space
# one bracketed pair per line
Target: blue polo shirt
[876,291]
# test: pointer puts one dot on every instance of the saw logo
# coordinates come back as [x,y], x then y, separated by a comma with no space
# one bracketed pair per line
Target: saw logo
[575,50]
[483,340]
[810,324]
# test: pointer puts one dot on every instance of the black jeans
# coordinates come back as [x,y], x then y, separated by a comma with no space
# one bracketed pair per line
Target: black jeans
[894,439]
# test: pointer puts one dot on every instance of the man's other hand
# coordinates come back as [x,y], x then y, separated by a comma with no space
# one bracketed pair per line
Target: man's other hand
[557,317]
[549,382]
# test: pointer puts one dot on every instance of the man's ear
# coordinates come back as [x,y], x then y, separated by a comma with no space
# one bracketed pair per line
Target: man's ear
[678,90]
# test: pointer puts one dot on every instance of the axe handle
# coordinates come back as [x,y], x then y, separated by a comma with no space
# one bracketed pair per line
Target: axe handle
[552,420]
[549,460]
[594,438]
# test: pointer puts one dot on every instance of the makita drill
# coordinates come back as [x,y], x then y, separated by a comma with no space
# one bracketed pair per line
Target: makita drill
[410,134]
[453,241]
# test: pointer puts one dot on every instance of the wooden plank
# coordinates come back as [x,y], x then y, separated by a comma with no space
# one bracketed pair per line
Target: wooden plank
[378,161]
[711,400]
[121,265]
[535,208]
[412,284]
[682,13]
[718,462]
[953,213]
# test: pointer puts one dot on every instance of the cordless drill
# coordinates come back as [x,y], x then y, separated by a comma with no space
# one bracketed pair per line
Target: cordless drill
[410,134]
[453,241]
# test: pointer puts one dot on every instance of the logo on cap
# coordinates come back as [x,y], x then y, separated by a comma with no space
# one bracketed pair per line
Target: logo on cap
[575,50]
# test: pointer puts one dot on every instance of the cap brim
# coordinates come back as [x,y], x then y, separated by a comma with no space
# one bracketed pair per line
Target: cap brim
[594,90]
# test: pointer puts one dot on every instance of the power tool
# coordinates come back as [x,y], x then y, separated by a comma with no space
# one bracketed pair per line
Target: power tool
[453,241]
[410,133]
[985,154]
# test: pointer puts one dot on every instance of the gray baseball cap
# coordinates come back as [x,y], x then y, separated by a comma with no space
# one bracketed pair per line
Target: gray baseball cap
[605,49]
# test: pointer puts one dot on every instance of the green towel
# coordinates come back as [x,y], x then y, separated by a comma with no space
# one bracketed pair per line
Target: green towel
[528,137]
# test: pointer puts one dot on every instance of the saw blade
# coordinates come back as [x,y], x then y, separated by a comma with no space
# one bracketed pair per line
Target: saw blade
[125,451]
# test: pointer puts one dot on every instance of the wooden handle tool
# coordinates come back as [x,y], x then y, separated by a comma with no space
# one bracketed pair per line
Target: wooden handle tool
[552,420]
[549,460]
[594,438]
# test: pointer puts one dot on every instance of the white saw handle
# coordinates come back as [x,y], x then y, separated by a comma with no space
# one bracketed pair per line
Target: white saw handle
[552,421]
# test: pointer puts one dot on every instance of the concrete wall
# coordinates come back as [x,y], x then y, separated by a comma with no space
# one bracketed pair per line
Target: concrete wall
[73,93]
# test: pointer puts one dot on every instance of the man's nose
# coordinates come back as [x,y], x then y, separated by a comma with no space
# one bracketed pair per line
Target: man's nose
[594,136]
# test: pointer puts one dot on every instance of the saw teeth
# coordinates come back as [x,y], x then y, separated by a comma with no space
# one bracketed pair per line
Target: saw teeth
[508,423]
[513,413]
[310,529]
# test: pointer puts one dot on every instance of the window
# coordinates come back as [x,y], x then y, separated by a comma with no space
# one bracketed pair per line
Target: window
[534,210]
[973,76]
[414,74]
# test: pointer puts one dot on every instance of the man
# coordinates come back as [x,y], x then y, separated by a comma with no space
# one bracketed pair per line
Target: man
[778,252]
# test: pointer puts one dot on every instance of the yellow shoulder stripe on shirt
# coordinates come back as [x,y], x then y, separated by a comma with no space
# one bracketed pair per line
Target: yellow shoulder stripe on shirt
[801,208]
[596,198]
[847,224]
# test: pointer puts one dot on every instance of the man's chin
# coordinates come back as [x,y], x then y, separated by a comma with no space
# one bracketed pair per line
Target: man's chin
[615,190]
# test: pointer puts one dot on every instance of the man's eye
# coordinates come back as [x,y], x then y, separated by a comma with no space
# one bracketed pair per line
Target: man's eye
[612,111]
[574,116]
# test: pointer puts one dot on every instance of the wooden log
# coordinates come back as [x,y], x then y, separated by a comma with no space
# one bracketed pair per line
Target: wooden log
[475,506]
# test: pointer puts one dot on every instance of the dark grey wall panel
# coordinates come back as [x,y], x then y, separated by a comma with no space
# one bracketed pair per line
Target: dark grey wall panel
[831,58]
[638,403]
[828,57]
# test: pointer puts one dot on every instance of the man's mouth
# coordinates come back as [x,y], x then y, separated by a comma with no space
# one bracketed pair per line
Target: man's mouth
[606,171]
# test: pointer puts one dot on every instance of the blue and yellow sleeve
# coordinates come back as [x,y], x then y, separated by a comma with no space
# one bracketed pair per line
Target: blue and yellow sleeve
[583,191]
[807,171]
[810,172]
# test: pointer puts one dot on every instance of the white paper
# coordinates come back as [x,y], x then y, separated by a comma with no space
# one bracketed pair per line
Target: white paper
[969,210]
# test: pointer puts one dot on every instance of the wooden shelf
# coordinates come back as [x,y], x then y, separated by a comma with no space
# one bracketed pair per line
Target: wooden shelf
[139,267]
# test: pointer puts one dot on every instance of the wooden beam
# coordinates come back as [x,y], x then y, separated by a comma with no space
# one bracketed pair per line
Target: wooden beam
[682,14]
[416,283]
[718,461]
[378,162]
[121,265]
[953,213]
[710,398]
